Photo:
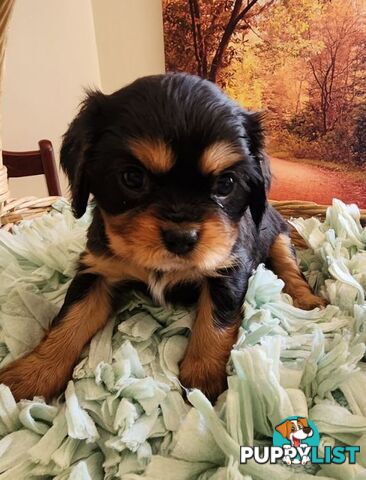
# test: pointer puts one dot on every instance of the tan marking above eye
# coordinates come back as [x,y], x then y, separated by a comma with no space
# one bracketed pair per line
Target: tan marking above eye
[219,156]
[154,154]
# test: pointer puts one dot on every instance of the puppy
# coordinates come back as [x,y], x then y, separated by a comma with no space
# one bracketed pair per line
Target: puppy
[179,177]
[295,431]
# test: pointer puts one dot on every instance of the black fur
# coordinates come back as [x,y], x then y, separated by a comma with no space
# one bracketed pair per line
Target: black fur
[189,114]
[181,235]
[183,110]
[78,289]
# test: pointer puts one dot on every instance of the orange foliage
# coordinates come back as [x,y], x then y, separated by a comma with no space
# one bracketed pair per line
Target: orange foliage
[302,61]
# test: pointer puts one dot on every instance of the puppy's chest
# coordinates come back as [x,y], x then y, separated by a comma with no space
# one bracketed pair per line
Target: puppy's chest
[166,289]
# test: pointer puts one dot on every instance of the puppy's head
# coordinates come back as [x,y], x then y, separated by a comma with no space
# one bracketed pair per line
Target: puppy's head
[295,429]
[173,165]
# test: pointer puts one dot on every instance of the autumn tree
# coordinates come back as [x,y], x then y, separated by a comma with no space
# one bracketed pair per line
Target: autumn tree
[359,143]
[337,70]
[270,71]
[201,35]
[301,61]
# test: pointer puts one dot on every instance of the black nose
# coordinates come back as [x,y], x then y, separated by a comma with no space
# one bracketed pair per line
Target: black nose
[180,241]
[307,430]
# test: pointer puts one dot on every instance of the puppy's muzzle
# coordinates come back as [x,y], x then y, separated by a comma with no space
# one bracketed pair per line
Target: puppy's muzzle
[179,241]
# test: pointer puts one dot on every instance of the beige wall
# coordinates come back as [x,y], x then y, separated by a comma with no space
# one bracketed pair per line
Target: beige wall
[51,56]
[57,48]
[130,41]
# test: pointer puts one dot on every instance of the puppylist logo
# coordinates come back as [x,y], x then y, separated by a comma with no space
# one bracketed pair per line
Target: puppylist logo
[296,441]
[296,436]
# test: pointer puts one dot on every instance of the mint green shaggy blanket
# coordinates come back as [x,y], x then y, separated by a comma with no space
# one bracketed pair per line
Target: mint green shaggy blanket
[123,415]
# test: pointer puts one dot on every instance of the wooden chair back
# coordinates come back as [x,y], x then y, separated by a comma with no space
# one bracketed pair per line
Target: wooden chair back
[37,162]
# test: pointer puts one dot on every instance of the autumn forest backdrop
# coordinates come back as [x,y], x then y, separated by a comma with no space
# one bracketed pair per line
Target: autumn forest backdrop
[303,62]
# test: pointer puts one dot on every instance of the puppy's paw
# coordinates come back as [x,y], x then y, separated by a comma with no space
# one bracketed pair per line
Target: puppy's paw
[309,301]
[30,376]
[209,378]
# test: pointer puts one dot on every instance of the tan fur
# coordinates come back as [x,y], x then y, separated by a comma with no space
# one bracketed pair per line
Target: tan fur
[137,238]
[114,269]
[217,238]
[204,363]
[46,370]
[217,157]
[285,266]
[154,154]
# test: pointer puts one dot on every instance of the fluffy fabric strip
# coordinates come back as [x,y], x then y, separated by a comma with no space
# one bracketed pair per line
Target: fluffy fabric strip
[123,416]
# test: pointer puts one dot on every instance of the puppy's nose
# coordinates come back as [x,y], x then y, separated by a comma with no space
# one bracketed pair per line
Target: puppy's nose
[180,241]
[307,430]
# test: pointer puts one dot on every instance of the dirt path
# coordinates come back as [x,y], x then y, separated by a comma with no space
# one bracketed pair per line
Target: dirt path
[299,181]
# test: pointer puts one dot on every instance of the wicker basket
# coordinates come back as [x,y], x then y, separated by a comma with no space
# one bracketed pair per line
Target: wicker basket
[27,208]
[295,208]
[14,211]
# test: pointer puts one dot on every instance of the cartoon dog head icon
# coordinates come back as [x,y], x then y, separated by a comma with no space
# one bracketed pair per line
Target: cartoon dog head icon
[295,431]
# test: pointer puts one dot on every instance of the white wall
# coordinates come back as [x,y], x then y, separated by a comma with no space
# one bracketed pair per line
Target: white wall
[130,40]
[56,49]
[51,56]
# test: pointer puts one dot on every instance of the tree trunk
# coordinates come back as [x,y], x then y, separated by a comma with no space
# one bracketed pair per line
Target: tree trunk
[235,18]
[198,40]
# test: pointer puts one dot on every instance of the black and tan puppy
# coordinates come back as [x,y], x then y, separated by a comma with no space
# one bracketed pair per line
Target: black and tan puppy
[179,177]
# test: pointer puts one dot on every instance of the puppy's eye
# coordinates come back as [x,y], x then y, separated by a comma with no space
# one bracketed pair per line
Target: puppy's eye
[224,185]
[133,178]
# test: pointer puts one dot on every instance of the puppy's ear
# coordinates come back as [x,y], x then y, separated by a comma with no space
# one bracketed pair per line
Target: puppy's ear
[284,428]
[253,124]
[303,421]
[76,142]
[261,180]
[258,196]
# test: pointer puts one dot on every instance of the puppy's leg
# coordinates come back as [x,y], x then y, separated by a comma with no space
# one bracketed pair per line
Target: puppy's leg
[204,364]
[284,264]
[46,370]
